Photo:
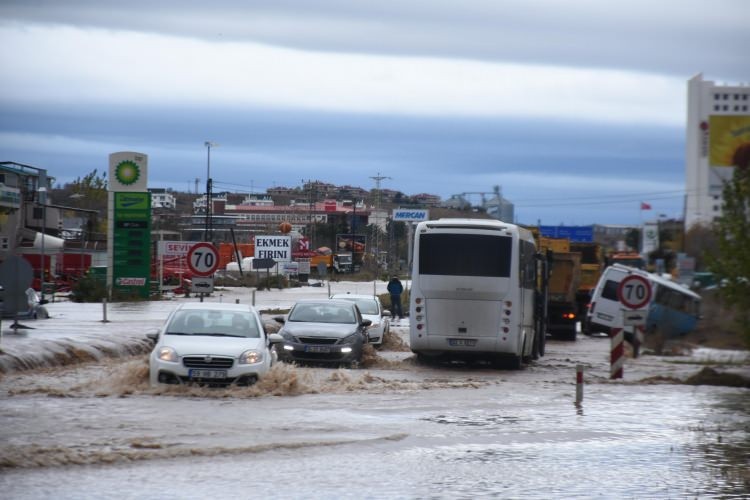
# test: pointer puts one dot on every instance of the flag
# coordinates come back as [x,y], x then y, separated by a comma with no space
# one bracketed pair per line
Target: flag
[645,206]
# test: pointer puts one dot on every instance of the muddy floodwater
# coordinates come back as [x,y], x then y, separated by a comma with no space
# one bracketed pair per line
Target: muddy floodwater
[93,428]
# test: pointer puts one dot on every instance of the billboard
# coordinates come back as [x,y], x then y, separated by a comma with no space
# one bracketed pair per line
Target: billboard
[580,234]
[355,243]
[728,137]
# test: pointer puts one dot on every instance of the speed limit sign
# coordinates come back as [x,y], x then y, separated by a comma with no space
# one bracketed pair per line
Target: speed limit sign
[634,291]
[203,259]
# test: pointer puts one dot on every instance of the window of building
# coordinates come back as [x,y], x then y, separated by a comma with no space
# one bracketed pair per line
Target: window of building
[725,108]
[716,208]
[744,108]
[726,96]
[716,97]
[736,108]
[717,107]
[736,97]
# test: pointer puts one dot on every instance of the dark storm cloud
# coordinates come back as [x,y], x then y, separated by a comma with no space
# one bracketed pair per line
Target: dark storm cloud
[541,165]
[679,37]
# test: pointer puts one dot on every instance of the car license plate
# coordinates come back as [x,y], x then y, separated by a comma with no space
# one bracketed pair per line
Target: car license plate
[317,348]
[207,374]
[462,342]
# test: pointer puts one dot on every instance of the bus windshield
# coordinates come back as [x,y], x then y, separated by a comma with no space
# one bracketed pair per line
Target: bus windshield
[465,255]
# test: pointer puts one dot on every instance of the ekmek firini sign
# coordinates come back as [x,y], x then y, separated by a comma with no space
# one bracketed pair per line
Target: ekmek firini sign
[278,248]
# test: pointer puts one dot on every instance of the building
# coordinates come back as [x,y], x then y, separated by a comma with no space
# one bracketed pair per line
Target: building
[718,124]
[26,211]
[163,199]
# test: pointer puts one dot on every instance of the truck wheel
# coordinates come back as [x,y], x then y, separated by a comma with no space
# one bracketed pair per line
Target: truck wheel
[571,334]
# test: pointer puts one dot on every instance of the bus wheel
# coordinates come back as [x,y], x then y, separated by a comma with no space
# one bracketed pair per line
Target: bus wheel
[508,362]
[424,359]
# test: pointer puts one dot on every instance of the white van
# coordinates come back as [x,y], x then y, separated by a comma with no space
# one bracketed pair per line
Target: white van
[674,309]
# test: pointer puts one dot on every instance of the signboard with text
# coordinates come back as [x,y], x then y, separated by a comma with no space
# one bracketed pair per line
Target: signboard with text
[276,247]
[410,214]
[131,243]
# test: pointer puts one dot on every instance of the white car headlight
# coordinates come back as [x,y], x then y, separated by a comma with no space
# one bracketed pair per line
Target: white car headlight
[251,357]
[167,354]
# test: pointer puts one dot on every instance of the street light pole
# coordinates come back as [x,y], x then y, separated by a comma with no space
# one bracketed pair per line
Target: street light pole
[43,202]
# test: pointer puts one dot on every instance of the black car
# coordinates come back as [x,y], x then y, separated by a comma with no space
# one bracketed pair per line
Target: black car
[325,331]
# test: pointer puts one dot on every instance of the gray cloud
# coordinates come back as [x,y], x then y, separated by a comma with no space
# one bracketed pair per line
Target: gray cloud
[676,37]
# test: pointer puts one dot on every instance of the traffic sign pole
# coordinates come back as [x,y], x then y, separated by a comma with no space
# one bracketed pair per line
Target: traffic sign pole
[634,292]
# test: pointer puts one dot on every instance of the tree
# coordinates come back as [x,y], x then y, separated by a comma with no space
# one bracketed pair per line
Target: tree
[731,263]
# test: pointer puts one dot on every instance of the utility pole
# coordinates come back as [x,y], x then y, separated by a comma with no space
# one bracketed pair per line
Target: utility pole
[208,235]
[378,179]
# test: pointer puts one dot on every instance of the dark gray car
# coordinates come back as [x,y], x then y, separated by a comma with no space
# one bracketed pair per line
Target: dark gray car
[325,331]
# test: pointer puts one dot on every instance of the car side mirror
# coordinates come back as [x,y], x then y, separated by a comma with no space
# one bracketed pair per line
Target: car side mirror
[153,336]
[366,322]
[275,338]
[386,313]
[279,319]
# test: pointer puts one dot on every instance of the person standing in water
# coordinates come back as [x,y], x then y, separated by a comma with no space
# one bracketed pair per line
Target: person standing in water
[395,289]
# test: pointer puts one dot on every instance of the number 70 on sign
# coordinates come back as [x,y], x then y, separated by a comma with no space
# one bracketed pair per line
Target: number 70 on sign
[203,259]
[634,291]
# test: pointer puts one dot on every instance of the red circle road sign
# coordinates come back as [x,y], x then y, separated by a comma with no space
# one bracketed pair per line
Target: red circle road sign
[634,291]
[203,259]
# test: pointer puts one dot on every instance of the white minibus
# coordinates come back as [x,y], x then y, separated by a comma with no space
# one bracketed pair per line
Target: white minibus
[474,292]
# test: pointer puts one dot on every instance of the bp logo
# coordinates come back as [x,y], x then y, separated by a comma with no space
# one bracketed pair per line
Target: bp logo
[127,172]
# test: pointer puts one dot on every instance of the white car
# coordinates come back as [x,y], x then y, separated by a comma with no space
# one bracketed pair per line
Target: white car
[212,344]
[370,308]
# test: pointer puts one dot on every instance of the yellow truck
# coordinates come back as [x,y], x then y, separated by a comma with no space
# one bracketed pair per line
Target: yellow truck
[574,272]
[564,279]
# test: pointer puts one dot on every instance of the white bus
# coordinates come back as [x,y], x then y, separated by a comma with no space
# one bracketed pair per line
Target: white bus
[475,293]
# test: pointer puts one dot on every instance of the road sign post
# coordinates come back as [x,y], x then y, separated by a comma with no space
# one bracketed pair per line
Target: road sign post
[202,261]
[634,293]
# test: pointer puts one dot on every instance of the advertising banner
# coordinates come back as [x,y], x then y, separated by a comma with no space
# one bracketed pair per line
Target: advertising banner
[355,243]
[728,136]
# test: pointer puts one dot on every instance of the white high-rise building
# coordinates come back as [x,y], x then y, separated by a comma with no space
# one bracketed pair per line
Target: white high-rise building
[718,124]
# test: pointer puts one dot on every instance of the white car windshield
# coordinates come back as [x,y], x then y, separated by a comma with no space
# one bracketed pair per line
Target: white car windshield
[220,323]
[366,306]
[322,313]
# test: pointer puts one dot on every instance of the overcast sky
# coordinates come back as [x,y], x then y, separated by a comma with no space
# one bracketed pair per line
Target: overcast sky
[576,109]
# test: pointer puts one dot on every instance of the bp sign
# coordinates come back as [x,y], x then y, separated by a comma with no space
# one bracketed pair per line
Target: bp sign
[129,230]
[131,249]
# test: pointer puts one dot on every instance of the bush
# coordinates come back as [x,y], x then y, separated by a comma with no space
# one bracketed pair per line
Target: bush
[89,289]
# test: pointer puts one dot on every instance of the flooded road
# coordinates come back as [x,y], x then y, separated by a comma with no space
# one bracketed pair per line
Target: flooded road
[394,429]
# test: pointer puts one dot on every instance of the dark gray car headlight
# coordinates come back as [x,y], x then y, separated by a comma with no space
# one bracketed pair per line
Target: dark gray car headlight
[287,336]
[354,338]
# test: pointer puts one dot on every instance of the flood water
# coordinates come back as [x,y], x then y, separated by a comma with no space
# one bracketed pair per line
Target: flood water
[394,429]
